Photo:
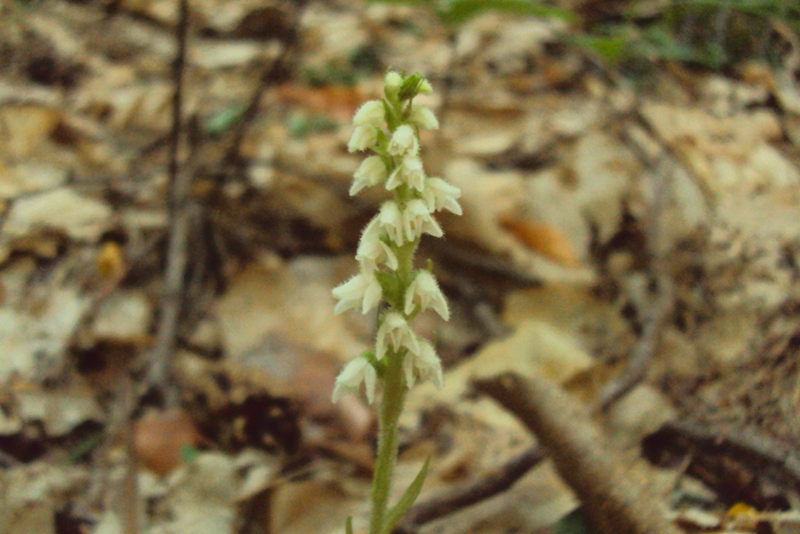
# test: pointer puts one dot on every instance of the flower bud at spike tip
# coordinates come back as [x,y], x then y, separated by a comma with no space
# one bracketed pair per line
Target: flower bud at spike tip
[423,117]
[392,83]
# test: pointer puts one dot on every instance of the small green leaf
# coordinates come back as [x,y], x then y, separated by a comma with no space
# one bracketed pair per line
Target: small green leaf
[224,119]
[399,510]
[410,86]
[300,124]
[348,525]
[85,446]
[189,454]
[612,48]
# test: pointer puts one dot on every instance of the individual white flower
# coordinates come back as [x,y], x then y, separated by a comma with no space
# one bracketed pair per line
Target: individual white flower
[426,364]
[425,293]
[403,142]
[410,171]
[439,195]
[417,220]
[350,378]
[423,117]
[372,171]
[371,113]
[363,289]
[392,83]
[424,88]
[391,220]
[372,250]
[395,331]
[363,137]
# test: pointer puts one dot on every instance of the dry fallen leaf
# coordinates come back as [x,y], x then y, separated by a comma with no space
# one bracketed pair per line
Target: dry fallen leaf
[542,238]
[159,437]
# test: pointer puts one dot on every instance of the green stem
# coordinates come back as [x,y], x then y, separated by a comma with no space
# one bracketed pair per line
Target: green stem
[394,390]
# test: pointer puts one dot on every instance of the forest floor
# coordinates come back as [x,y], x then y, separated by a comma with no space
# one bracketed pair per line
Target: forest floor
[629,255]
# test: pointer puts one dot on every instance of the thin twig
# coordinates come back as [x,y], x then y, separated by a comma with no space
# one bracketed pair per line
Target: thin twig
[180,216]
[130,485]
[646,348]
[660,309]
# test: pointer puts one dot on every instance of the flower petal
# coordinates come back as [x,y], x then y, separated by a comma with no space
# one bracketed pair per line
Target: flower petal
[424,292]
[371,113]
[363,137]
[403,142]
[349,380]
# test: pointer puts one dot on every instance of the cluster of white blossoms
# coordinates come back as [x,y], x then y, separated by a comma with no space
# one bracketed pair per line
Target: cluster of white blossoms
[390,129]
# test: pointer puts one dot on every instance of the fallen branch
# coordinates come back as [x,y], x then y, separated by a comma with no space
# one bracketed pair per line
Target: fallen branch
[614,494]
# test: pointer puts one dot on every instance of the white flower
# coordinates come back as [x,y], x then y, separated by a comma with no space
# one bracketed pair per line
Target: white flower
[396,332]
[372,171]
[410,172]
[425,362]
[392,83]
[424,88]
[350,378]
[425,293]
[439,195]
[363,137]
[423,117]
[403,142]
[370,114]
[391,221]
[372,250]
[363,289]
[417,220]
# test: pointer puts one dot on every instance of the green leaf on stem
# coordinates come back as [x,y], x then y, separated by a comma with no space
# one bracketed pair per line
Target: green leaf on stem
[348,525]
[397,511]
